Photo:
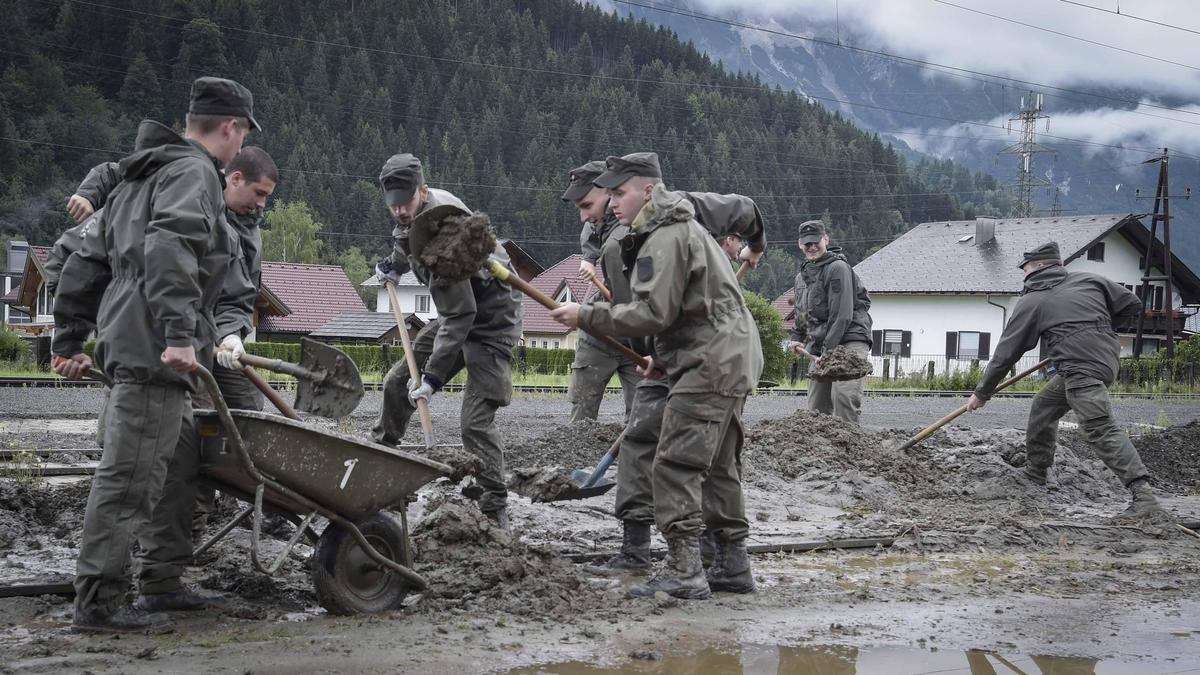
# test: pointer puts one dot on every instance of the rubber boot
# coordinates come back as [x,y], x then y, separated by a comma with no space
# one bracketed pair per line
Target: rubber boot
[1035,474]
[634,557]
[1144,502]
[683,574]
[125,619]
[499,518]
[182,599]
[731,570]
[708,549]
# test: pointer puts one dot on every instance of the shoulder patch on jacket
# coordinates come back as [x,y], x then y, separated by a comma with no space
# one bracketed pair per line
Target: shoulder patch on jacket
[645,268]
[835,285]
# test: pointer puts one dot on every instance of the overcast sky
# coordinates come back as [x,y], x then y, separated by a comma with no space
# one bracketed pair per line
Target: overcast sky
[931,31]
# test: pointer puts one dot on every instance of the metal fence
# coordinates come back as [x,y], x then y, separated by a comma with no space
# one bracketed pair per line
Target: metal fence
[896,367]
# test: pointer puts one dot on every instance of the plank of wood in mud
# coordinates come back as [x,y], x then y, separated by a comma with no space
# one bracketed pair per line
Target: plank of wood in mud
[759,549]
[24,590]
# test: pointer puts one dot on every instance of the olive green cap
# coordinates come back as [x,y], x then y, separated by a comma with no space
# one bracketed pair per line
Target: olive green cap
[219,96]
[581,180]
[400,178]
[620,169]
[1047,251]
[811,231]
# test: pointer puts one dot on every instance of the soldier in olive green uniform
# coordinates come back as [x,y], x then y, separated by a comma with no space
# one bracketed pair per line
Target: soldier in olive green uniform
[478,324]
[1072,314]
[705,340]
[156,282]
[724,216]
[832,308]
[595,363]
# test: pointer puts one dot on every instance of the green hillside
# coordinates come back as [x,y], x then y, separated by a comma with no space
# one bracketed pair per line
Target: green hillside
[500,98]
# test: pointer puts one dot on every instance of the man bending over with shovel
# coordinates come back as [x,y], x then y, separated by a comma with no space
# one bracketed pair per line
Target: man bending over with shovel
[705,340]
[1072,314]
[479,322]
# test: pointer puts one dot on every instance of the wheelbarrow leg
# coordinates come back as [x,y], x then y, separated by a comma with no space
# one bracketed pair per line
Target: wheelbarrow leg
[225,530]
[256,531]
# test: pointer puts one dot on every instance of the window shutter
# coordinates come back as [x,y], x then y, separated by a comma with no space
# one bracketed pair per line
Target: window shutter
[951,345]
[906,344]
[876,343]
[985,346]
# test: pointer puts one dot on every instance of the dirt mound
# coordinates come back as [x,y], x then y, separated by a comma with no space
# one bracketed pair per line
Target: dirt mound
[805,441]
[472,564]
[462,462]
[1170,455]
[461,246]
[576,445]
[30,506]
[841,363]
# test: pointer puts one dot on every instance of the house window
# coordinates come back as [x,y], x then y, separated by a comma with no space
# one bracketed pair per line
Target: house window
[891,343]
[556,344]
[968,345]
[545,344]
[1096,252]
[422,303]
[44,301]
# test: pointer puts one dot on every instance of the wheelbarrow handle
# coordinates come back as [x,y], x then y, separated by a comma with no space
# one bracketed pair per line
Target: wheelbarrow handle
[414,373]
[501,272]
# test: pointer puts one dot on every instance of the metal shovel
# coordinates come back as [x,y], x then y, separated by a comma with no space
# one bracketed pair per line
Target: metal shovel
[327,381]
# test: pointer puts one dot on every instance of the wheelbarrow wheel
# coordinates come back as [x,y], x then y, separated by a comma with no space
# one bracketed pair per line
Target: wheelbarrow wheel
[347,580]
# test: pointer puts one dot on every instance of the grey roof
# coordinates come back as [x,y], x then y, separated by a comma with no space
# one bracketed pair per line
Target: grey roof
[942,257]
[406,279]
[365,325]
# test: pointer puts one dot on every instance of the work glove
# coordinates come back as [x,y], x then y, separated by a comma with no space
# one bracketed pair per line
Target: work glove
[424,390]
[385,270]
[229,350]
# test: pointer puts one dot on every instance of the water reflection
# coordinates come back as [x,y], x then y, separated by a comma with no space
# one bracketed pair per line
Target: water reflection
[843,660]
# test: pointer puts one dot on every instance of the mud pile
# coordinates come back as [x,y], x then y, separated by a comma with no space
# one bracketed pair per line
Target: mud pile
[462,462]
[576,445]
[461,246]
[805,441]
[1170,455]
[472,564]
[541,485]
[841,363]
[30,507]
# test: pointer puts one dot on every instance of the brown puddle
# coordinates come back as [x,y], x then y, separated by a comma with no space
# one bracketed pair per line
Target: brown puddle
[843,660]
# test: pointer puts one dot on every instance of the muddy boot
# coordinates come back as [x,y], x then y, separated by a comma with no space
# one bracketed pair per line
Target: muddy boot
[1144,502]
[683,574]
[499,518]
[634,557]
[1035,474]
[731,571]
[182,599]
[125,619]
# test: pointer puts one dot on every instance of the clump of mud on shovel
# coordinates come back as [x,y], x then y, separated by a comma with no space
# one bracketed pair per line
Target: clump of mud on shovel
[462,462]
[841,363]
[545,484]
[461,246]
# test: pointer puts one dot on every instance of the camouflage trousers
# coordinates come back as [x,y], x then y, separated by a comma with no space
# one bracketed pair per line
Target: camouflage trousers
[1088,398]
[843,400]
[593,367]
[150,450]
[489,387]
[697,475]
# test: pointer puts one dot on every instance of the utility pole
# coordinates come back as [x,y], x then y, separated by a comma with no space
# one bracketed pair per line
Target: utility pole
[1161,214]
[1025,149]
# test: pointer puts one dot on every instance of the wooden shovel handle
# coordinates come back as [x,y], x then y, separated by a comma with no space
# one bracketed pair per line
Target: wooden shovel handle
[270,393]
[741,270]
[414,373]
[927,431]
[501,272]
[599,286]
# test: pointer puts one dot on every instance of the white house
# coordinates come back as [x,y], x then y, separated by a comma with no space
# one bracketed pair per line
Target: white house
[942,292]
[414,297]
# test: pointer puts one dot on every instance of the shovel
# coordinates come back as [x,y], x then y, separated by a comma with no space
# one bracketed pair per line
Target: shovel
[327,381]
[414,373]
[928,431]
[592,483]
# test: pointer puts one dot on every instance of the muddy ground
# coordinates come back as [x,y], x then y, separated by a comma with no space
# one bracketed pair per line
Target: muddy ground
[979,559]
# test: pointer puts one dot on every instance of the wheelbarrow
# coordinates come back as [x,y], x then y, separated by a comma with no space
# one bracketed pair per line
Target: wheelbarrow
[362,560]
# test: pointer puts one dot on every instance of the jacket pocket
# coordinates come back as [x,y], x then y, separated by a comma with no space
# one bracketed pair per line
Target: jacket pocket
[691,432]
[1088,397]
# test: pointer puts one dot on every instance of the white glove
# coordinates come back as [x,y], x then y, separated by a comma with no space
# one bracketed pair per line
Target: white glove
[420,391]
[229,350]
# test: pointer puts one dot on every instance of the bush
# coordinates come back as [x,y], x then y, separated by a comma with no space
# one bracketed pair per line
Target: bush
[771,333]
[13,347]
[539,361]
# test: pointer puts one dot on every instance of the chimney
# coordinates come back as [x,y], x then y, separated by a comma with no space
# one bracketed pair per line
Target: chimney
[985,230]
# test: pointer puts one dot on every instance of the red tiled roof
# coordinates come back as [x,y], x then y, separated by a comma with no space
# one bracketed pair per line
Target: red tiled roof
[537,318]
[12,296]
[315,294]
[783,304]
[42,253]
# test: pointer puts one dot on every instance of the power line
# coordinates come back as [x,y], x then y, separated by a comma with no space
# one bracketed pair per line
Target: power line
[1131,16]
[1066,35]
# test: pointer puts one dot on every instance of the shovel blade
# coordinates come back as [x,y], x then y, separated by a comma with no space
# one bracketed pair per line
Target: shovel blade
[337,389]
